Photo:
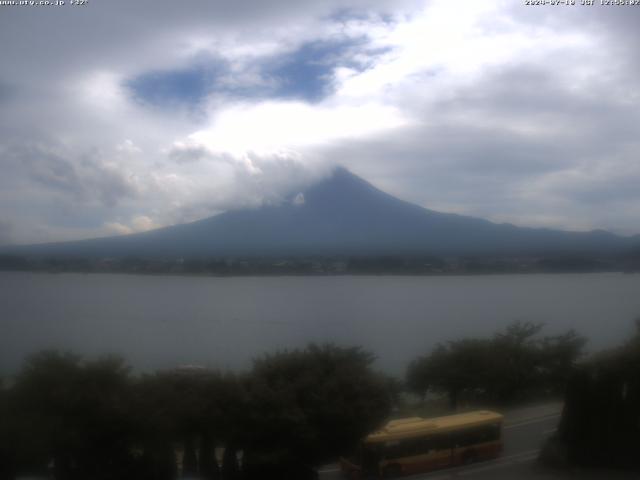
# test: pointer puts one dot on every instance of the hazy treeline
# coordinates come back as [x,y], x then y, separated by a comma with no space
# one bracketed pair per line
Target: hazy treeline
[73,418]
[515,364]
[78,419]
[328,265]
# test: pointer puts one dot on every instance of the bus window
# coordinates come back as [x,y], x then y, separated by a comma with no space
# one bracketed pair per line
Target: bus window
[441,442]
[473,436]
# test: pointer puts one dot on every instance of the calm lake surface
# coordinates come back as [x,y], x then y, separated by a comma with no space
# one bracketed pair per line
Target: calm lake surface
[165,321]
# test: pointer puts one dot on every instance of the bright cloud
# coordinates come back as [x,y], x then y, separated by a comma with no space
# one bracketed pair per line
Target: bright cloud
[271,126]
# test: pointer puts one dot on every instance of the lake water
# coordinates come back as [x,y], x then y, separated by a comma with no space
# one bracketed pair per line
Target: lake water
[164,321]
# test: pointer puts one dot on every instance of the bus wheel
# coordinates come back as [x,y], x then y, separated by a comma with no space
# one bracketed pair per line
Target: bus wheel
[392,471]
[469,458]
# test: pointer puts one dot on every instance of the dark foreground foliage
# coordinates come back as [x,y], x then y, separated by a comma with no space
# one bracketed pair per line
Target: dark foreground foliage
[600,424]
[72,419]
[516,364]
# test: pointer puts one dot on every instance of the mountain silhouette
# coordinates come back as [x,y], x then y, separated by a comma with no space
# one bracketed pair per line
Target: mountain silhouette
[340,215]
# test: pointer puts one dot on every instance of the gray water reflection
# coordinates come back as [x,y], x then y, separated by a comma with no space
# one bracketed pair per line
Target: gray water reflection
[163,321]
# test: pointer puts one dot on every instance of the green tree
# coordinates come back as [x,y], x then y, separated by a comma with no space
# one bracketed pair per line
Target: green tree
[311,405]
[515,364]
[192,409]
[515,357]
[454,368]
[558,357]
[74,415]
[418,378]
[8,454]
[599,424]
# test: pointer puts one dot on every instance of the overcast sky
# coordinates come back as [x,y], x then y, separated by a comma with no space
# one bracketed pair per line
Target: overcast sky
[122,116]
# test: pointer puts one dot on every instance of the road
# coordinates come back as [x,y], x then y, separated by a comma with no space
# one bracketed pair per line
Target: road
[524,432]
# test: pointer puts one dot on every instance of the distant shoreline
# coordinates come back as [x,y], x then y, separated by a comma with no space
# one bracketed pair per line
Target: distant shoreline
[318,275]
[338,265]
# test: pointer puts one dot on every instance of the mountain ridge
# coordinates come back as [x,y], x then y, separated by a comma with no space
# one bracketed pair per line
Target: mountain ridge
[340,215]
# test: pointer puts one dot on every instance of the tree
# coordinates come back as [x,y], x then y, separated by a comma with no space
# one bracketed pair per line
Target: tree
[513,368]
[195,409]
[419,378]
[599,424]
[454,368]
[74,414]
[558,357]
[311,405]
[516,363]
[8,454]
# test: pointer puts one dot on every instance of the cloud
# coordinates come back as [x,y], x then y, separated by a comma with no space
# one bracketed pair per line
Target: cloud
[5,233]
[88,179]
[6,92]
[303,73]
[140,223]
[490,109]
[271,126]
[307,73]
[184,152]
[166,88]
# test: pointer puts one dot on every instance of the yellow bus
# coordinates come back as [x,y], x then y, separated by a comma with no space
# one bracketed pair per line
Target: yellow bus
[414,445]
